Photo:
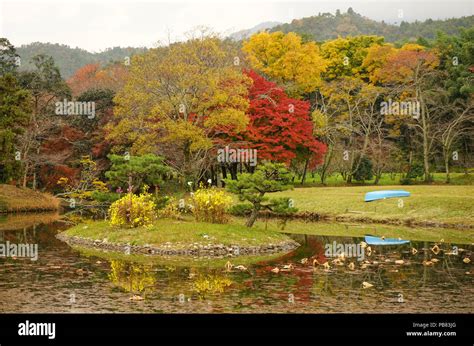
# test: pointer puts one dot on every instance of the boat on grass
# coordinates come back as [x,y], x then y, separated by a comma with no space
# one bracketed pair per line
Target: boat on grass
[383,194]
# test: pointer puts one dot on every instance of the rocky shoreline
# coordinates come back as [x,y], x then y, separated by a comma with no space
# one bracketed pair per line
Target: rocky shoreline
[193,250]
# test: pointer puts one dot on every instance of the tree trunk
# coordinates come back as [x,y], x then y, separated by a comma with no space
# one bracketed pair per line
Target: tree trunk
[252,218]
[304,171]
[446,166]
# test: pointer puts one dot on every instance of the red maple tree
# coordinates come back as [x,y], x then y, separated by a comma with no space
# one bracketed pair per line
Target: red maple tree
[280,127]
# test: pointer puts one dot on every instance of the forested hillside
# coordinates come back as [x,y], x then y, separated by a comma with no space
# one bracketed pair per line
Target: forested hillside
[326,26]
[70,59]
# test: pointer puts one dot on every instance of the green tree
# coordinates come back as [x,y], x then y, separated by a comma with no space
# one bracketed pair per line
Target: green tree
[14,109]
[268,177]
[136,171]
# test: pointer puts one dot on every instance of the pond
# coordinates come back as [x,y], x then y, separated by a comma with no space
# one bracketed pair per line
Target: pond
[64,279]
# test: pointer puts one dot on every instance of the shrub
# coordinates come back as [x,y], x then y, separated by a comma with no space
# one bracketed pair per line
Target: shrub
[364,170]
[133,211]
[210,205]
[170,210]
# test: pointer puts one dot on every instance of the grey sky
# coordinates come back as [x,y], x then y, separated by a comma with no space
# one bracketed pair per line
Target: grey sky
[96,25]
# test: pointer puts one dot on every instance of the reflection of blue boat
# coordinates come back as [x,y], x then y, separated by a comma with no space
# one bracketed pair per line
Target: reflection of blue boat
[371,240]
[375,195]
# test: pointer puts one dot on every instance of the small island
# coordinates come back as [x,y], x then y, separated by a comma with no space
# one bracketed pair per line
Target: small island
[168,237]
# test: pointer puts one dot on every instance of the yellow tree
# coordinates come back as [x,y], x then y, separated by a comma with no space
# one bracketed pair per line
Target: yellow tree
[345,56]
[411,71]
[287,60]
[178,99]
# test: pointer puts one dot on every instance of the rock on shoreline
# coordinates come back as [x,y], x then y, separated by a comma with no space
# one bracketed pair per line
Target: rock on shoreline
[193,250]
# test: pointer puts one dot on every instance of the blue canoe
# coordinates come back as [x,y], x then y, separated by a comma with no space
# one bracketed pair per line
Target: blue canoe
[375,195]
[371,240]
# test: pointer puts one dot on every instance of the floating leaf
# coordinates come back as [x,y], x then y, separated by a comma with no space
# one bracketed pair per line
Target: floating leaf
[414,251]
[304,260]
[276,270]
[466,260]
[351,266]
[399,261]
[241,267]
[366,285]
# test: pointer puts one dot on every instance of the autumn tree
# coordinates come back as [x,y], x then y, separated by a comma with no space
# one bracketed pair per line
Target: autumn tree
[280,127]
[412,69]
[295,65]
[177,99]
[46,87]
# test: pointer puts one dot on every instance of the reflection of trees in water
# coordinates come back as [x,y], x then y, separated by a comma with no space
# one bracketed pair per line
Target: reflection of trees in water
[208,284]
[132,277]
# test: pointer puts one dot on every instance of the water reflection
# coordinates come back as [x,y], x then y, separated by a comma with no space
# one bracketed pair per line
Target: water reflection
[402,280]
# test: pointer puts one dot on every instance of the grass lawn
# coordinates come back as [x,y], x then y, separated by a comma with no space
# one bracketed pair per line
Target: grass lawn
[386,179]
[14,199]
[450,205]
[179,233]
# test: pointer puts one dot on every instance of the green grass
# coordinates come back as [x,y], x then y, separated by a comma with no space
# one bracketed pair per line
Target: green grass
[386,179]
[179,233]
[448,205]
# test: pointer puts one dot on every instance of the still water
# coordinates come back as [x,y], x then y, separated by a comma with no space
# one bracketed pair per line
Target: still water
[64,279]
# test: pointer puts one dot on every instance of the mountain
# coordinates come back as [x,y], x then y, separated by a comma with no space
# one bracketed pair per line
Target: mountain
[244,34]
[326,26]
[70,59]
[322,27]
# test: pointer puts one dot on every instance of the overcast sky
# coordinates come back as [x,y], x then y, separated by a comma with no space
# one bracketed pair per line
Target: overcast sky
[96,25]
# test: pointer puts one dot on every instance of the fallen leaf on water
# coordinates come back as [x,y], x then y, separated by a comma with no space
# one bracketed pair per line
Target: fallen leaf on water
[136,297]
[241,267]
[366,285]
[276,270]
[326,266]
[414,251]
[435,249]
[364,266]
[315,261]
[427,263]
[287,267]
[228,266]
[304,260]
[399,261]
[351,266]
[466,260]
[434,260]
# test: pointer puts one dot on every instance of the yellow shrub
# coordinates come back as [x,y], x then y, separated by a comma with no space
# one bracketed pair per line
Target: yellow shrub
[132,211]
[210,205]
[171,210]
